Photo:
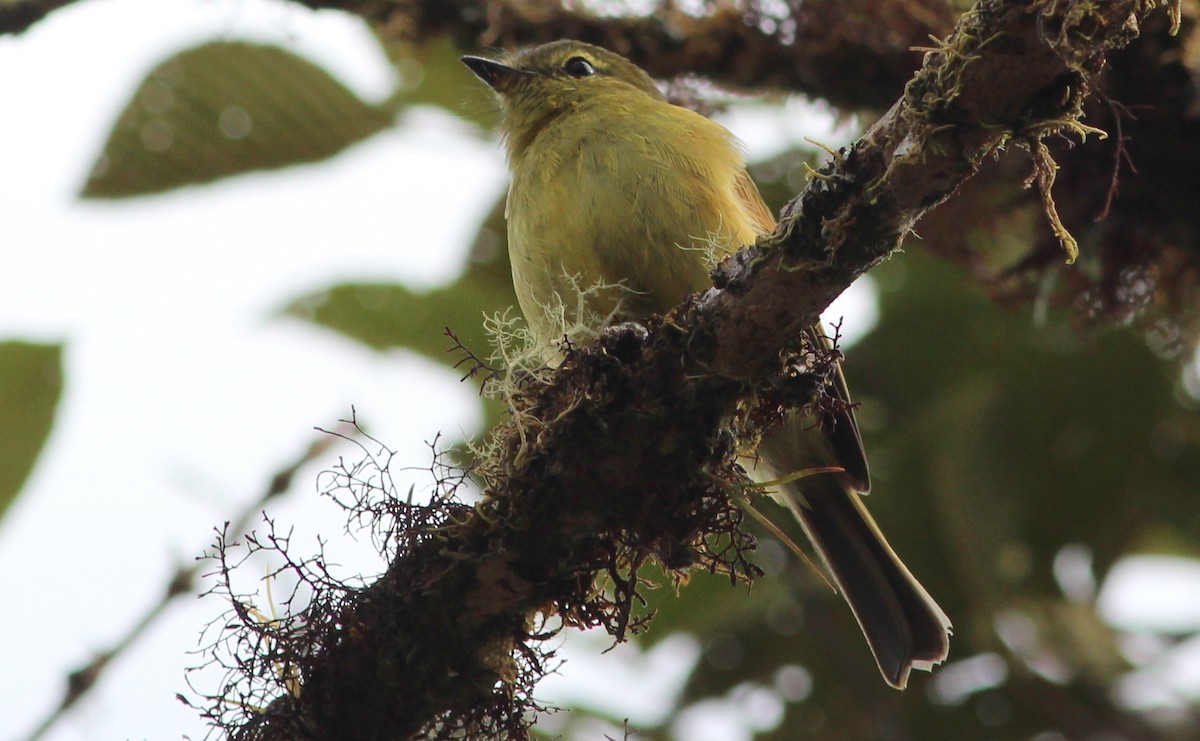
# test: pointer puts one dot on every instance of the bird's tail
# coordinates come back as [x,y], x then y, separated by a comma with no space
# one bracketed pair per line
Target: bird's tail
[904,627]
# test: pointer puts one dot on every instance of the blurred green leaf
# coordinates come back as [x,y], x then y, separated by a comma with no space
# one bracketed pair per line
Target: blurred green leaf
[994,443]
[223,109]
[703,606]
[1039,435]
[30,386]
[430,74]
[386,315]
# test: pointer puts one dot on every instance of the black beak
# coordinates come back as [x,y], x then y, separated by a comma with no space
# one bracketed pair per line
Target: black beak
[497,75]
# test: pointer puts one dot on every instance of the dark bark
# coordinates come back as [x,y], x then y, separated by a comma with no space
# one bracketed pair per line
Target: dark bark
[627,452]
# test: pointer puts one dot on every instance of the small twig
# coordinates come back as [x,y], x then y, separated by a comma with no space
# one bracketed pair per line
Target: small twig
[783,538]
[1120,154]
[182,581]
[478,365]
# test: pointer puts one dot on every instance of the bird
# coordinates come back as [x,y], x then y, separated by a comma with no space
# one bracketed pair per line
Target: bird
[619,204]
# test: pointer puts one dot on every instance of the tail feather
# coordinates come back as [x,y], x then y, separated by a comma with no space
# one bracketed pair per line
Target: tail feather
[904,627]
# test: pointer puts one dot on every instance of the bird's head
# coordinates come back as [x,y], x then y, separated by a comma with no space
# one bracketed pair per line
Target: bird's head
[538,84]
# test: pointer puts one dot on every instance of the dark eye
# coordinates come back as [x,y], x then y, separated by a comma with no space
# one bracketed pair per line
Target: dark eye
[579,67]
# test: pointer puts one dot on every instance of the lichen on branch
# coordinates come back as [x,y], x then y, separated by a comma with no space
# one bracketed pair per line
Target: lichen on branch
[627,452]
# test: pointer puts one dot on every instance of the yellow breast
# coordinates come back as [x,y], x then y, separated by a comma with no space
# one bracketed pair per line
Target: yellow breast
[607,217]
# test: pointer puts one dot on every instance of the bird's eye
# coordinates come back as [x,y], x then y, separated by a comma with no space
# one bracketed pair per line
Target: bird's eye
[579,67]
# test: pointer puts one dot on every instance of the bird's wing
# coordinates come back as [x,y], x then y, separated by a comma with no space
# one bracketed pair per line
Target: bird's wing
[841,427]
[752,203]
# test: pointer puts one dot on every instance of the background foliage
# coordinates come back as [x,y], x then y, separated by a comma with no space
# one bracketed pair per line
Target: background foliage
[1029,425]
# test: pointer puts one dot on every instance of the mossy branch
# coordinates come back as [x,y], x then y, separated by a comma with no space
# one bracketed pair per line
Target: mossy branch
[628,451]
[853,53]
[1011,71]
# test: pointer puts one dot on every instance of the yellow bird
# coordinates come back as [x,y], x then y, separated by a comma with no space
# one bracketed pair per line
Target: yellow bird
[620,203]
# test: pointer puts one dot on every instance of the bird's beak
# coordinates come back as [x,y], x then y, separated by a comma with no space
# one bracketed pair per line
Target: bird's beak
[498,76]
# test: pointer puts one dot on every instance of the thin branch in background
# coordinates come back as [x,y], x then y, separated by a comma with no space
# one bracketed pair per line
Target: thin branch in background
[476,366]
[183,581]
[17,17]
[817,51]
[1120,154]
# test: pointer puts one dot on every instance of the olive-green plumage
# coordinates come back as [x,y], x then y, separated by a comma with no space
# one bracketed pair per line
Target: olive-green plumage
[619,204]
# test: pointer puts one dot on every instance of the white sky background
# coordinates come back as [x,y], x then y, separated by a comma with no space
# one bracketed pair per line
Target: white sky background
[184,394]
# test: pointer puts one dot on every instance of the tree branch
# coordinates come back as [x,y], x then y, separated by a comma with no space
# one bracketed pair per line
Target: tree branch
[19,16]
[627,452]
[1012,73]
[854,53]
